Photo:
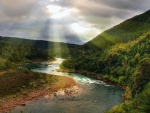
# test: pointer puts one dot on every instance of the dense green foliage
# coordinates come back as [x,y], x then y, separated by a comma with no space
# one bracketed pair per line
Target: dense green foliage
[120,54]
[119,61]
[140,104]
[126,64]
[11,54]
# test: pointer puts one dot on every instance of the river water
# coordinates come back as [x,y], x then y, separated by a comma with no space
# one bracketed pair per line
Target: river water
[94,96]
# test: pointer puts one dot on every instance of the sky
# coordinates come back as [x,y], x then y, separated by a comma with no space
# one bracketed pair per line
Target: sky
[69,21]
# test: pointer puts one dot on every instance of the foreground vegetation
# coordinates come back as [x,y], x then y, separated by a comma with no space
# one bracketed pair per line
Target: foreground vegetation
[18,86]
[14,81]
[122,55]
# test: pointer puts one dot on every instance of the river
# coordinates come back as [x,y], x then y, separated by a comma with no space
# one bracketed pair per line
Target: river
[95,96]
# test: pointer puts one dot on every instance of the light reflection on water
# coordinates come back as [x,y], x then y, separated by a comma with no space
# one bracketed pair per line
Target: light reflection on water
[96,96]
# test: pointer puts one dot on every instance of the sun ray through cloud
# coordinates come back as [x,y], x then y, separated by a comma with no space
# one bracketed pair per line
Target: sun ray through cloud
[22,13]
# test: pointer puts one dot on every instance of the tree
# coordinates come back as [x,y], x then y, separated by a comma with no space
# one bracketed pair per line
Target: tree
[141,75]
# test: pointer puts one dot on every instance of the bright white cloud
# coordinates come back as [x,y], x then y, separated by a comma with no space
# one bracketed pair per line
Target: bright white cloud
[54,8]
[78,28]
[85,30]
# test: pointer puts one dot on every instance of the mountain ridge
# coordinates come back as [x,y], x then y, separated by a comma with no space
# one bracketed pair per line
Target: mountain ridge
[124,32]
[42,44]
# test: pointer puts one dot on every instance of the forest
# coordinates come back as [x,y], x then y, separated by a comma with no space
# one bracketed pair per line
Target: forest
[12,55]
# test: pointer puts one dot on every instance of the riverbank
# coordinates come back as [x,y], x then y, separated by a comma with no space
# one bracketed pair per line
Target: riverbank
[36,86]
[127,93]
[92,75]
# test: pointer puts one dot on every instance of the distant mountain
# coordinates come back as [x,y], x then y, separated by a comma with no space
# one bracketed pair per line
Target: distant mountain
[126,31]
[45,45]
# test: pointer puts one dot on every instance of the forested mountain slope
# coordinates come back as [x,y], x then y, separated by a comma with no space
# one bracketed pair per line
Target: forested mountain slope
[124,32]
[125,64]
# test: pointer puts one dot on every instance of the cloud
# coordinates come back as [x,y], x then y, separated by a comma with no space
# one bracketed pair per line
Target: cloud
[125,4]
[76,21]
[15,8]
[104,14]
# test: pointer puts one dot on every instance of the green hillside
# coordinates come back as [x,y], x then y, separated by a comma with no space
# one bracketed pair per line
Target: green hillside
[59,49]
[124,32]
[125,64]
